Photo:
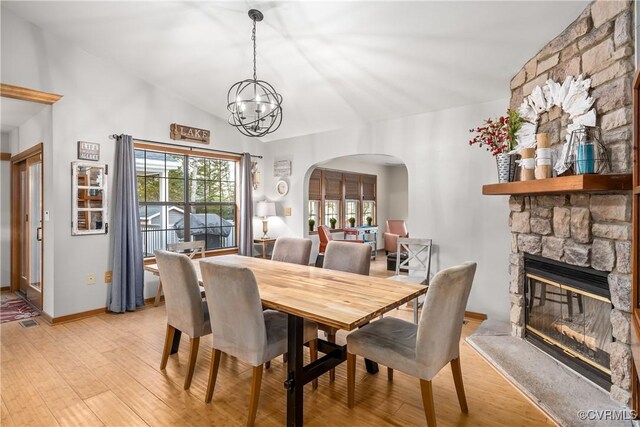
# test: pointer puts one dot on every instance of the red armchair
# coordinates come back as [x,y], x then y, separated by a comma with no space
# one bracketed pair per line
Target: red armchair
[395,228]
[324,233]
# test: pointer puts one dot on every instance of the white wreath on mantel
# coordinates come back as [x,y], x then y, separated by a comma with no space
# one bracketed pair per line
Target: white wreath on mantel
[572,96]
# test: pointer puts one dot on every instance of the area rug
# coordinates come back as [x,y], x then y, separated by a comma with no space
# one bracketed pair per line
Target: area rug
[565,396]
[16,309]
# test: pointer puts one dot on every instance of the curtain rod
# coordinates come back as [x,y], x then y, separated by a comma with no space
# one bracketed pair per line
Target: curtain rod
[114,136]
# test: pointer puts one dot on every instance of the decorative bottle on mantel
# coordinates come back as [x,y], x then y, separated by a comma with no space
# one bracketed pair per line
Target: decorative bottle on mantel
[544,167]
[527,164]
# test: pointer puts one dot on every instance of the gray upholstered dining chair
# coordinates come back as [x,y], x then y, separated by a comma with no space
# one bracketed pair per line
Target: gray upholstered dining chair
[420,350]
[241,328]
[193,248]
[350,258]
[293,250]
[186,310]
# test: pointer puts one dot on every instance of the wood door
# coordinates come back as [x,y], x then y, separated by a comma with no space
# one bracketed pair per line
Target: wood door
[27,225]
[635,253]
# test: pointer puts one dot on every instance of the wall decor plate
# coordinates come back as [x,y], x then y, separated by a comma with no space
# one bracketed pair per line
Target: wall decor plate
[282,188]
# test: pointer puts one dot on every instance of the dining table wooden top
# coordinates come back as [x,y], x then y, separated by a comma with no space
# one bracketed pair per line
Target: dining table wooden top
[333,298]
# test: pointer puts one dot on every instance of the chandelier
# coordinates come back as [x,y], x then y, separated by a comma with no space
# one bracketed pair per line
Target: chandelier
[255,106]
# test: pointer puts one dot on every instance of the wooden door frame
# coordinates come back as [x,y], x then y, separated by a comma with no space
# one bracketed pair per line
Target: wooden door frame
[635,252]
[36,150]
[47,98]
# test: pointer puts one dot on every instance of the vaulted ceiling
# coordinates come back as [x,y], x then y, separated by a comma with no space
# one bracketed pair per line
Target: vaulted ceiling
[337,64]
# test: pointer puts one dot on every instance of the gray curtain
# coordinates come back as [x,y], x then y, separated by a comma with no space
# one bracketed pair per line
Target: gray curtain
[127,289]
[245,245]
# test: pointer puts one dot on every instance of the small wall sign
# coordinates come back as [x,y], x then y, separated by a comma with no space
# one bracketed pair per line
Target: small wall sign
[88,151]
[282,168]
[187,133]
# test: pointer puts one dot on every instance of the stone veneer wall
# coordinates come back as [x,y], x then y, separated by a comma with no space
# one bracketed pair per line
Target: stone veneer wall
[600,45]
[589,230]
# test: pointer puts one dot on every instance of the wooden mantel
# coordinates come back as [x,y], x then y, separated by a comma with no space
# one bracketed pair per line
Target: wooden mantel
[563,184]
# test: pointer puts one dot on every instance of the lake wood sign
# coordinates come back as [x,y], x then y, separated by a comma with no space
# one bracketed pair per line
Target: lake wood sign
[187,133]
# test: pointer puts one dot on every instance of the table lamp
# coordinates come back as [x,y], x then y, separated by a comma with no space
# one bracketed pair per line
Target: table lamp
[265,209]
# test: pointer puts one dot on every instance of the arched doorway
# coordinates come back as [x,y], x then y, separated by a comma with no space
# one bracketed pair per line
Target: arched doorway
[355,187]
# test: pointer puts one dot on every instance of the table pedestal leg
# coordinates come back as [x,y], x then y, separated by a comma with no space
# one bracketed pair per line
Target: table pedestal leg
[295,383]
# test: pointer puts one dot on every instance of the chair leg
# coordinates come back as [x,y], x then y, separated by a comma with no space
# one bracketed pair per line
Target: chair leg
[255,394]
[415,311]
[389,374]
[213,374]
[457,379]
[427,401]
[158,294]
[168,339]
[285,358]
[193,355]
[313,356]
[267,364]
[351,379]
[331,337]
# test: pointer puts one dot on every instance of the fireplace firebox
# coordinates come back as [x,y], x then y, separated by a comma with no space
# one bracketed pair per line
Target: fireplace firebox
[567,315]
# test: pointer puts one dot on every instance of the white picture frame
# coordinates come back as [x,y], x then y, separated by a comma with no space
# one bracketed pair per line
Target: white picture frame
[89,198]
[282,188]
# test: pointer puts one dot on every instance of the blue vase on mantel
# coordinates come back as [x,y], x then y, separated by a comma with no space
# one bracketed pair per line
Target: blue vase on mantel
[585,159]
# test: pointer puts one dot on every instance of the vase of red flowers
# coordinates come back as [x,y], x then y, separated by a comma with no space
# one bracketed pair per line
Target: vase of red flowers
[498,136]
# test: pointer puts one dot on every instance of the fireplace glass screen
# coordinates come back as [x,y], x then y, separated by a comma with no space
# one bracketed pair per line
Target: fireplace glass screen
[576,321]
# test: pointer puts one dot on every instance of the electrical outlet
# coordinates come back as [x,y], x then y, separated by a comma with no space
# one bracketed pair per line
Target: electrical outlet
[107,277]
[91,279]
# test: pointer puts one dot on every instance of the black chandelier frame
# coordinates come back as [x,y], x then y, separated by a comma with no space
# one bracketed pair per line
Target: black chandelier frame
[259,113]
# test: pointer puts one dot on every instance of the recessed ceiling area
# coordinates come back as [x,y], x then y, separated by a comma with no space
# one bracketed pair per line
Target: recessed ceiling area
[14,112]
[337,64]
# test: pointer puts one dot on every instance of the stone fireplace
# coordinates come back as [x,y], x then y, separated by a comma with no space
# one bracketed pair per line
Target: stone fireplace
[584,230]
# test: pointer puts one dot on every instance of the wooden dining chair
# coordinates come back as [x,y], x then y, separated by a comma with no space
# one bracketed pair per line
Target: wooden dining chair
[241,328]
[186,310]
[292,250]
[417,264]
[420,350]
[343,256]
[191,248]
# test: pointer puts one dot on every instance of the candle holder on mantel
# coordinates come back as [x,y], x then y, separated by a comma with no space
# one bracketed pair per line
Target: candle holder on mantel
[587,154]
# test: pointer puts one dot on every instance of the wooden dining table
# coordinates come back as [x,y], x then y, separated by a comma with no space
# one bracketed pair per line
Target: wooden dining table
[333,298]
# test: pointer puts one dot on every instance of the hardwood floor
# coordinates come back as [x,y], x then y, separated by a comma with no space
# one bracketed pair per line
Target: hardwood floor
[104,370]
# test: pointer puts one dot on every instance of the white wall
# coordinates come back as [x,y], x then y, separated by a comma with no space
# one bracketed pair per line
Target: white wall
[445,199]
[398,196]
[98,100]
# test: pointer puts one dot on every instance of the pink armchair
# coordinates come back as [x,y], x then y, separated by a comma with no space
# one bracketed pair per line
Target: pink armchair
[395,228]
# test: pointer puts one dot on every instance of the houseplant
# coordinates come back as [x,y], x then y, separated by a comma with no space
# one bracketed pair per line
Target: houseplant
[312,223]
[498,136]
[369,221]
[333,221]
[352,222]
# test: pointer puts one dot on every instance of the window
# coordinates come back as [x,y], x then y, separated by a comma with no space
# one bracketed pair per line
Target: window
[186,197]
[350,211]
[331,210]
[368,210]
[341,195]
[314,211]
